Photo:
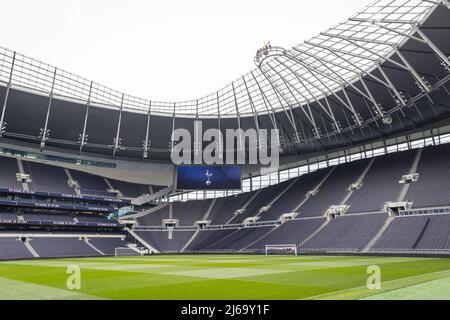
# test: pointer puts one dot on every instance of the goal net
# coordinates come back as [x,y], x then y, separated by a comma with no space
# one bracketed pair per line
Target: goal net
[281,249]
[125,252]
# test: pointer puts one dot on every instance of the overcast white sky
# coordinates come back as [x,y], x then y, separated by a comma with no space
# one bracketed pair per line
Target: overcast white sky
[166,50]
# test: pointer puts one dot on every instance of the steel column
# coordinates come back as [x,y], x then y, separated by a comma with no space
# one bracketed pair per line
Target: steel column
[5,103]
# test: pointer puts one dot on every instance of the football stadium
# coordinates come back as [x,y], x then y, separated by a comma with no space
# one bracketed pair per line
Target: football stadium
[321,174]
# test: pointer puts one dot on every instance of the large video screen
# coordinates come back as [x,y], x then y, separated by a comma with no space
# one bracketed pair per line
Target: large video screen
[208,178]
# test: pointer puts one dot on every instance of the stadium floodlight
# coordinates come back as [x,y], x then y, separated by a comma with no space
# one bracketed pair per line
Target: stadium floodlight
[281,249]
[387,120]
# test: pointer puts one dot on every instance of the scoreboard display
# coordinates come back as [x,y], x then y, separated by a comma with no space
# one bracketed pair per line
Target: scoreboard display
[192,178]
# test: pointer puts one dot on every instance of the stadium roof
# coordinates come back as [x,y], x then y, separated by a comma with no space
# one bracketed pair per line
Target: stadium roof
[382,72]
[306,73]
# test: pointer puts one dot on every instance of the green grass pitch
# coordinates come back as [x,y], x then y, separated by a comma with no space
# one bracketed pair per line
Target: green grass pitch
[227,277]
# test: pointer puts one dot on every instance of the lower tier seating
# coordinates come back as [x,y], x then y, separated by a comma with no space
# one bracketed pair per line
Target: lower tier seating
[13,248]
[62,247]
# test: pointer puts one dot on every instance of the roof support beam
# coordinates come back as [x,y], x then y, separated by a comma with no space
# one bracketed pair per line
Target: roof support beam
[252,106]
[350,53]
[301,79]
[44,131]
[352,40]
[441,2]
[119,122]
[410,70]
[83,136]
[5,102]
[379,23]
[325,63]
[348,104]
[424,39]
[147,142]
[290,117]
[266,103]
[219,126]
[419,80]
[372,98]
[238,118]
[439,53]
[172,142]
[391,85]
[369,74]
[362,72]
[308,115]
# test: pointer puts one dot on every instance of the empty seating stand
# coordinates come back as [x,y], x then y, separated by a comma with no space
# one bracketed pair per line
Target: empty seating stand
[161,242]
[263,198]
[436,234]
[207,238]
[289,201]
[48,178]
[155,218]
[8,171]
[381,184]
[53,247]
[334,190]
[240,239]
[108,245]
[346,233]
[433,187]
[92,219]
[89,183]
[406,233]
[8,216]
[13,248]
[291,232]
[189,212]
[129,190]
[47,217]
[224,208]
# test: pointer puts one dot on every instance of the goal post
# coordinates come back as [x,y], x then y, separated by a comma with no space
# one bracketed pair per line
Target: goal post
[281,249]
[126,252]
